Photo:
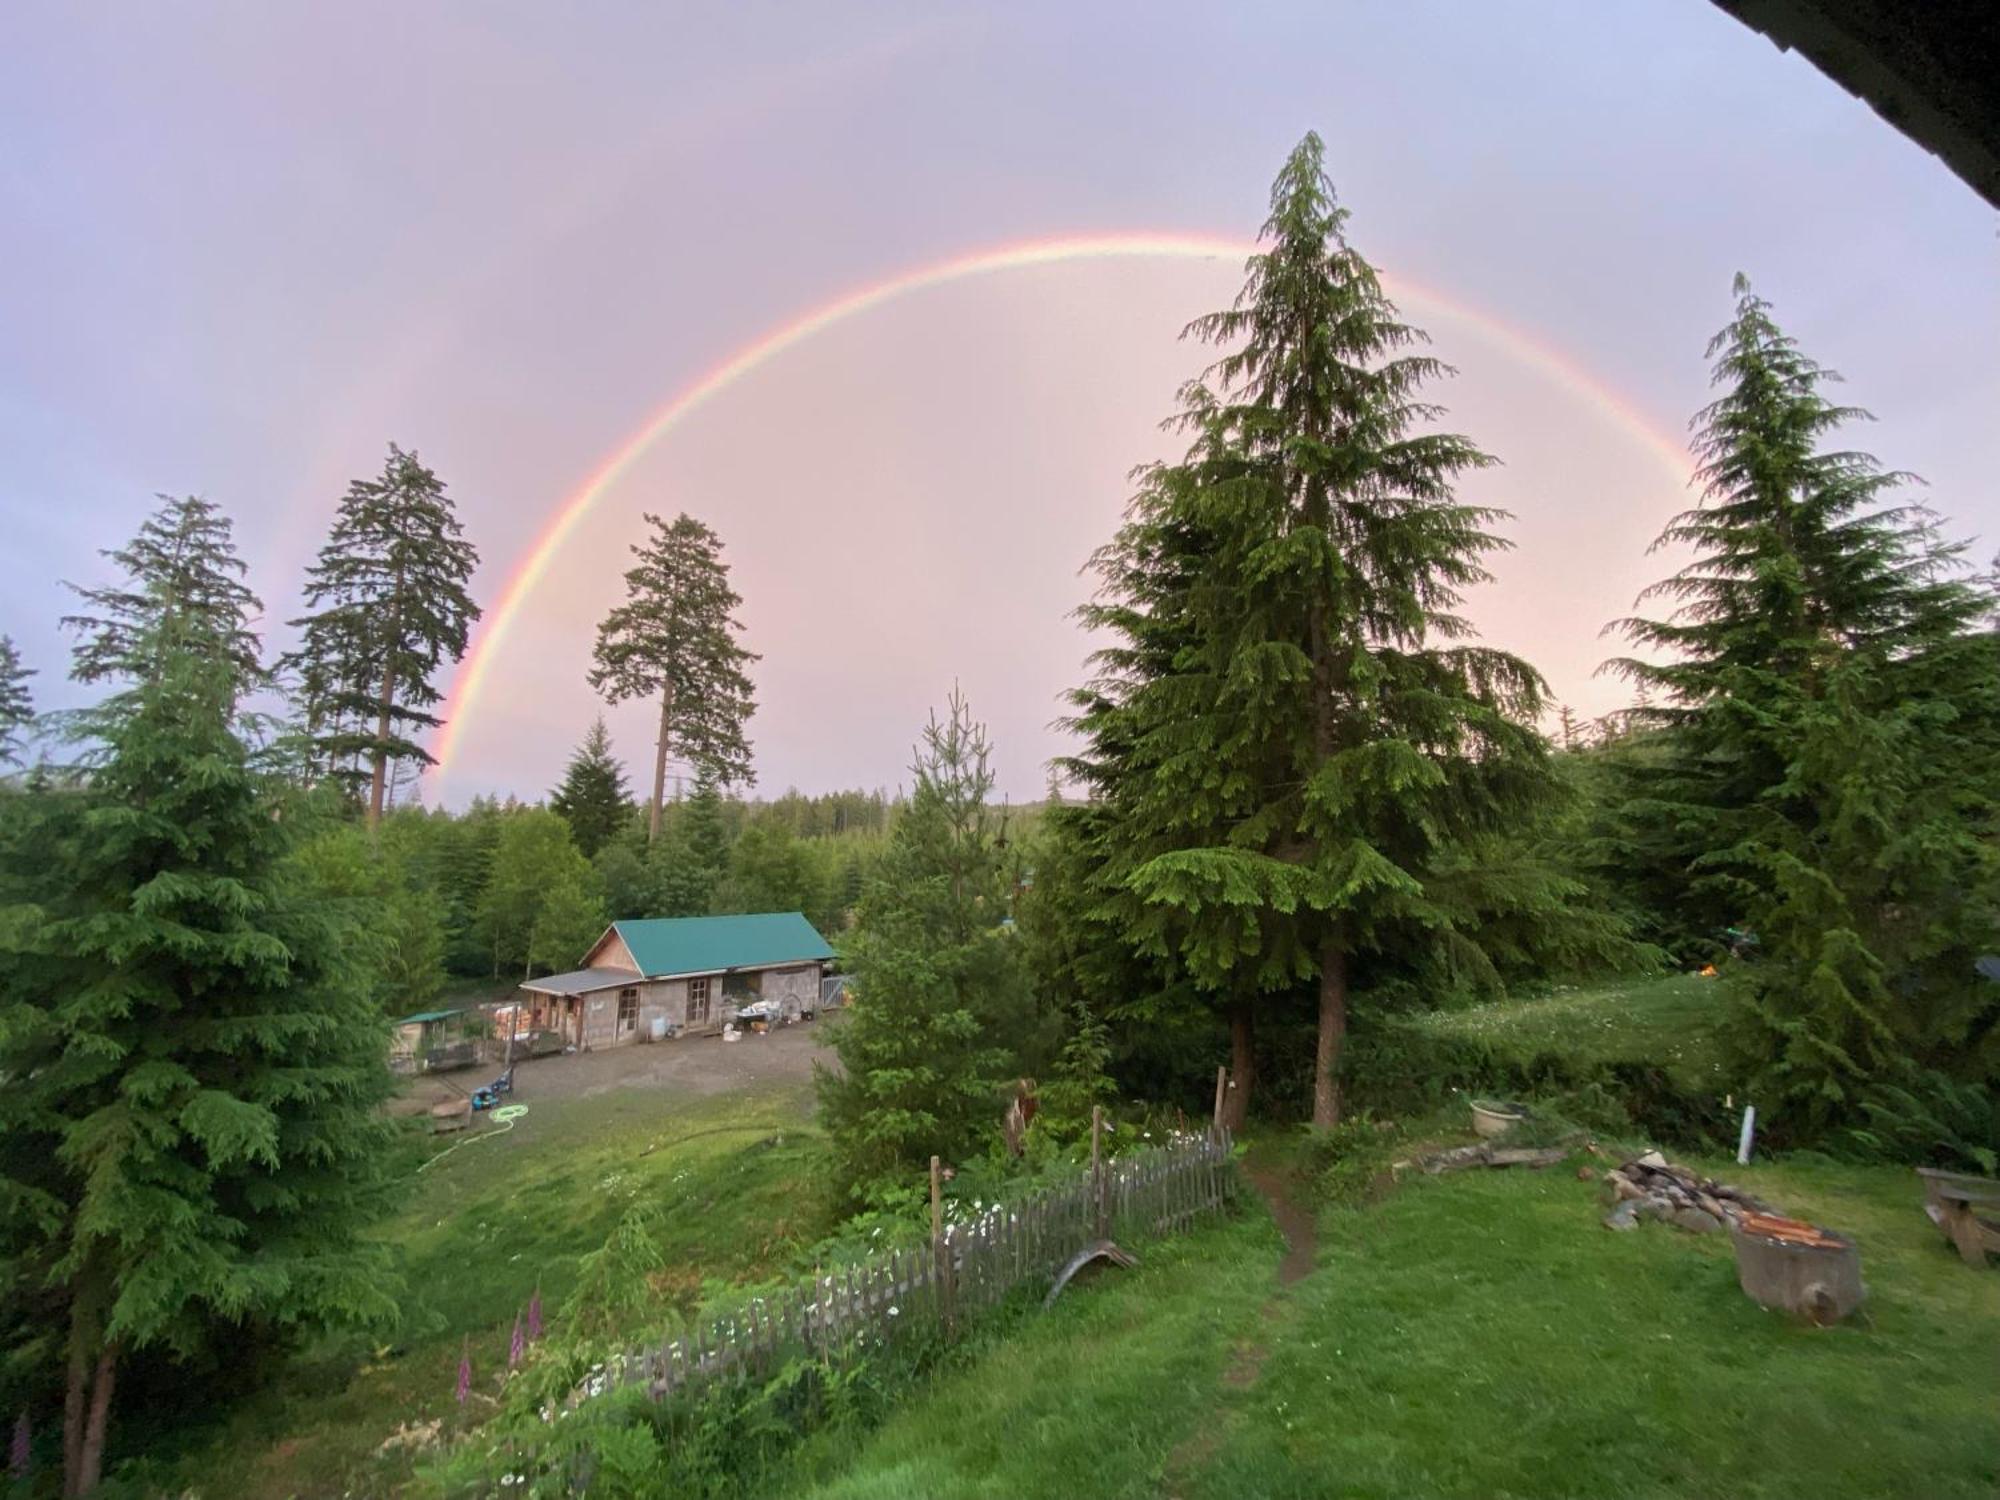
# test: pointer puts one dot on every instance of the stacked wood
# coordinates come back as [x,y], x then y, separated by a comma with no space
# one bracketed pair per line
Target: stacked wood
[1651,1187]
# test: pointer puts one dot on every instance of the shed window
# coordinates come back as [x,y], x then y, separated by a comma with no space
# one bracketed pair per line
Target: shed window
[628,1009]
[697,1002]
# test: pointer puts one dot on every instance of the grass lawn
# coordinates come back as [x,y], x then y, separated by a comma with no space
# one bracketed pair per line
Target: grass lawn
[733,1176]
[1667,1021]
[1476,1335]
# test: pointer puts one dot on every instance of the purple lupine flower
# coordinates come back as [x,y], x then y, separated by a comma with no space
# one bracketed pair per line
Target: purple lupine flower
[19,1451]
[535,1316]
[515,1344]
[465,1372]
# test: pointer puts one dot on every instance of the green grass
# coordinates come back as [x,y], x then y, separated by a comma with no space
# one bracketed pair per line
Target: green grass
[734,1179]
[1477,1335]
[1669,1023]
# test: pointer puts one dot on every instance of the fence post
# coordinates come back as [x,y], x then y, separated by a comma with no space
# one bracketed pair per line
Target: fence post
[1221,1092]
[940,1251]
[1097,1171]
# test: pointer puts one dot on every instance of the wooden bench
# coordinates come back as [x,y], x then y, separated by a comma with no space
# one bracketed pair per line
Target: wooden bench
[1967,1209]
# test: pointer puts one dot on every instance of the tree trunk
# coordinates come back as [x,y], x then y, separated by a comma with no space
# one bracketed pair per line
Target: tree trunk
[76,1396]
[660,763]
[91,1464]
[1242,1065]
[379,776]
[1332,1032]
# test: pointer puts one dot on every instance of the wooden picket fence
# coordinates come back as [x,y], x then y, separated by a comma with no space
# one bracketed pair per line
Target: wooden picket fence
[966,1269]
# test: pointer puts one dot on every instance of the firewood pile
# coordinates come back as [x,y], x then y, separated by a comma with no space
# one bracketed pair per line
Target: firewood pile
[1651,1187]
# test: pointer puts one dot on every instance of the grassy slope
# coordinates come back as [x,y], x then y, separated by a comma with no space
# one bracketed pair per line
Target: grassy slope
[1669,1022]
[1480,1336]
[484,1226]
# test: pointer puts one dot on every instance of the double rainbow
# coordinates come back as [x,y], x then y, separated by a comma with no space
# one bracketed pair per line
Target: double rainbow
[470,683]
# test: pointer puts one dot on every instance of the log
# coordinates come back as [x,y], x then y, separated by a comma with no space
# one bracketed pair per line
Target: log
[1814,1274]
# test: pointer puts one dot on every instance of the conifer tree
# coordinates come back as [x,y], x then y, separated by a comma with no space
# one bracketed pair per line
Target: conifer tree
[17,708]
[592,798]
[942,1004]
[191,1142]
[690,861]
[1825,760]
[1299,742]
[182,591]
[675,638]
[389,607]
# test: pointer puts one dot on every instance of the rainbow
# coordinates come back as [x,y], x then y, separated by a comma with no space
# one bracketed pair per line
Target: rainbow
[469,685]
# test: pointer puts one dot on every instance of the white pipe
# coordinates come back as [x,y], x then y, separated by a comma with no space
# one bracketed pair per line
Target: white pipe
[1744,1141]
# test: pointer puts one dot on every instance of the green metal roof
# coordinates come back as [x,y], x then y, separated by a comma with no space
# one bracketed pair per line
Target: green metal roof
[703,945]
[431,1015]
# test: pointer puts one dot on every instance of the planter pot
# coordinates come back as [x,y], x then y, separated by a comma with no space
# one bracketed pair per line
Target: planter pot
[1491,1117]
[1798,1268]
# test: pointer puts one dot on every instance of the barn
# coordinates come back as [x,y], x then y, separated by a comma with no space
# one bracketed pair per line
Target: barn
[663,976]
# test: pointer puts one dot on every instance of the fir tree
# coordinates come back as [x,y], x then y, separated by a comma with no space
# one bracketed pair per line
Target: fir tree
[192,1148]
[182,591]
[1298,739]
[17,708]
[592,798]
[687,865]
[941,998]
[675,638]
[1825,759]
[389,606]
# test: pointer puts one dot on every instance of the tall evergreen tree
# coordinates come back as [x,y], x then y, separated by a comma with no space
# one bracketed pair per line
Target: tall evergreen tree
[17,708]
[942,1003]
[1825,759]
[1299,742]
[191,1142]
[675,638]
[182,590]
[592,798]
[691,859]
[389,606]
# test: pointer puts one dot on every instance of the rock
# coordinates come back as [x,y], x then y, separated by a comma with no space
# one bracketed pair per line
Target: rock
[1624,1186]
[1654,1160]
[1624,1216]
[1694,1220]
[1585,1174]
[1655,1206]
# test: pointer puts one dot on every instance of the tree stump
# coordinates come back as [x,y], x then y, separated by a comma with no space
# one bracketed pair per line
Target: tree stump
[1798,1268]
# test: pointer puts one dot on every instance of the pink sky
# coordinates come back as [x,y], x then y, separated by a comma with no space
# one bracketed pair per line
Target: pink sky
[250,246]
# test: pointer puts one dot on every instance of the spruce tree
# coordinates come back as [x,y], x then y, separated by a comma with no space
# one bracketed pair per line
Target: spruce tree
[1303,742]
[192,1148]
[17,708]
[942,1006]
[389,607]
[182,590]
[1824,761]
[592,798]
[675,638]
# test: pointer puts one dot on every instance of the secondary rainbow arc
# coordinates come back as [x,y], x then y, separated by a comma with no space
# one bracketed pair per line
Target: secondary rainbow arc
[469,685]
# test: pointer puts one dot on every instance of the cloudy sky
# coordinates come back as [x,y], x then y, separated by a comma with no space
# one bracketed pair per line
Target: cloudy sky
[243,247]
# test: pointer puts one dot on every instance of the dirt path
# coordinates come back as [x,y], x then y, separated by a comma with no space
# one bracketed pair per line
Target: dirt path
[1246,1361]
[1294,1222]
